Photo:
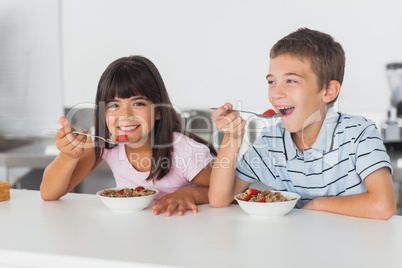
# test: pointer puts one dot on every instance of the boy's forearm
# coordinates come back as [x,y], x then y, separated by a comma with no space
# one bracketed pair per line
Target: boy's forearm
[377,203]
[359,205]
[223,173]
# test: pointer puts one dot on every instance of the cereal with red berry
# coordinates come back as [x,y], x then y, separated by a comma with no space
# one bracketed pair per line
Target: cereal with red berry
[127,192]
[267,196]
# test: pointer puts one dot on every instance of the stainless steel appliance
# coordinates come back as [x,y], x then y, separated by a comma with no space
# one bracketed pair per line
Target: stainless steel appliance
[201,123]
[391,129]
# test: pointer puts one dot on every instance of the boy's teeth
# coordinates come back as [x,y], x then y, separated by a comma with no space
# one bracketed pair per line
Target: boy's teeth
[286,107]
[286,110]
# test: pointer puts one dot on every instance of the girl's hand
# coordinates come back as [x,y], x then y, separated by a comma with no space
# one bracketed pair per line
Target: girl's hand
[180,200]
[69,144]
[229,122]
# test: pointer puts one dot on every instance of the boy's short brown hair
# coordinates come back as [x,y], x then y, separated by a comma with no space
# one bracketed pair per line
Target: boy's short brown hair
[325,55]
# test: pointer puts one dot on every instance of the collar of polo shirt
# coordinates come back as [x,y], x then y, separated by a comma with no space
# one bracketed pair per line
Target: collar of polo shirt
[324,140]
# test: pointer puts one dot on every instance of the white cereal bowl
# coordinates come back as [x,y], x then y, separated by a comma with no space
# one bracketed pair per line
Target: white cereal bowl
[270,209]
[127,204]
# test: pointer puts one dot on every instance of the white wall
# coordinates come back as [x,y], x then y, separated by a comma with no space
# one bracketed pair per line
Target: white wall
[210,51]
[30,67]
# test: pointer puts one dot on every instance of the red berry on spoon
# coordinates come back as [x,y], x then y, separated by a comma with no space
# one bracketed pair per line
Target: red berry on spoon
[269,112]
[122,138]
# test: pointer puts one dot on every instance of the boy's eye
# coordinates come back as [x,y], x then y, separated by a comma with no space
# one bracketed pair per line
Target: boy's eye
[291,81]
[270,82]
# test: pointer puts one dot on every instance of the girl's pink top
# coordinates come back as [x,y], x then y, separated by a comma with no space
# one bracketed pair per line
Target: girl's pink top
[188,159]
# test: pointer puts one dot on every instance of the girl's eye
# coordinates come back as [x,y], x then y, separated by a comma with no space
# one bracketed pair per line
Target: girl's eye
[270,82]
[291,81]
[139,104]
[112,107]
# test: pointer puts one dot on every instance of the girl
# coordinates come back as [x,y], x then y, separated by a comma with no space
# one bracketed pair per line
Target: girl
[132,100]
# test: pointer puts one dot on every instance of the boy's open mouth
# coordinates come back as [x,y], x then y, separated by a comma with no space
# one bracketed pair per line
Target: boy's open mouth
[286,110]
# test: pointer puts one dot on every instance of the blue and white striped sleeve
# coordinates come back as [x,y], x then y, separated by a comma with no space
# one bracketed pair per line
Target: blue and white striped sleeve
[371,154]
[255,164]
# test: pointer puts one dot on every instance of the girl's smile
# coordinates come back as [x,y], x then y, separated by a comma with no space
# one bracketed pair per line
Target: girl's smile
[128,129]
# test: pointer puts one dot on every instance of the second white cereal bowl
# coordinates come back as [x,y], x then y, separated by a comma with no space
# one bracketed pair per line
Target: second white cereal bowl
[127,204]
[270,209]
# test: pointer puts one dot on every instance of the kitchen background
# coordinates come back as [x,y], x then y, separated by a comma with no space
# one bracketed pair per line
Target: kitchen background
[52,53]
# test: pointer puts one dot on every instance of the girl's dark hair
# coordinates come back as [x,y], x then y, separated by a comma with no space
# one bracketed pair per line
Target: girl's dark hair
[137,76]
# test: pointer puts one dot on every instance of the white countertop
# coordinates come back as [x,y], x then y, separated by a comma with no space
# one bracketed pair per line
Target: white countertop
[79,231]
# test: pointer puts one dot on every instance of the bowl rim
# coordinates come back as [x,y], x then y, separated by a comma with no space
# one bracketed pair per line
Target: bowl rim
[262,203]
[119,188]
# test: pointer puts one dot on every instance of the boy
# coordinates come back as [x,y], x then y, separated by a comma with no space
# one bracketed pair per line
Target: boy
[336,162]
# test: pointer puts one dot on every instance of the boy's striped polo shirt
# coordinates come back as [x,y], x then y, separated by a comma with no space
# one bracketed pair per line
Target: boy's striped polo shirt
[347,149]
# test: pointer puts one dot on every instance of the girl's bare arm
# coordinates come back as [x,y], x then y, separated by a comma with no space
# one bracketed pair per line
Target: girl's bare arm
[70,167]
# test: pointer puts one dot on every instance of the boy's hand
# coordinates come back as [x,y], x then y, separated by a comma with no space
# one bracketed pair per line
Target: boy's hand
[229,122]
[72,145]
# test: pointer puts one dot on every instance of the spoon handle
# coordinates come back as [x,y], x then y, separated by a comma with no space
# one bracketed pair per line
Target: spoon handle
[88,135]
[259,115]
[234,110]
